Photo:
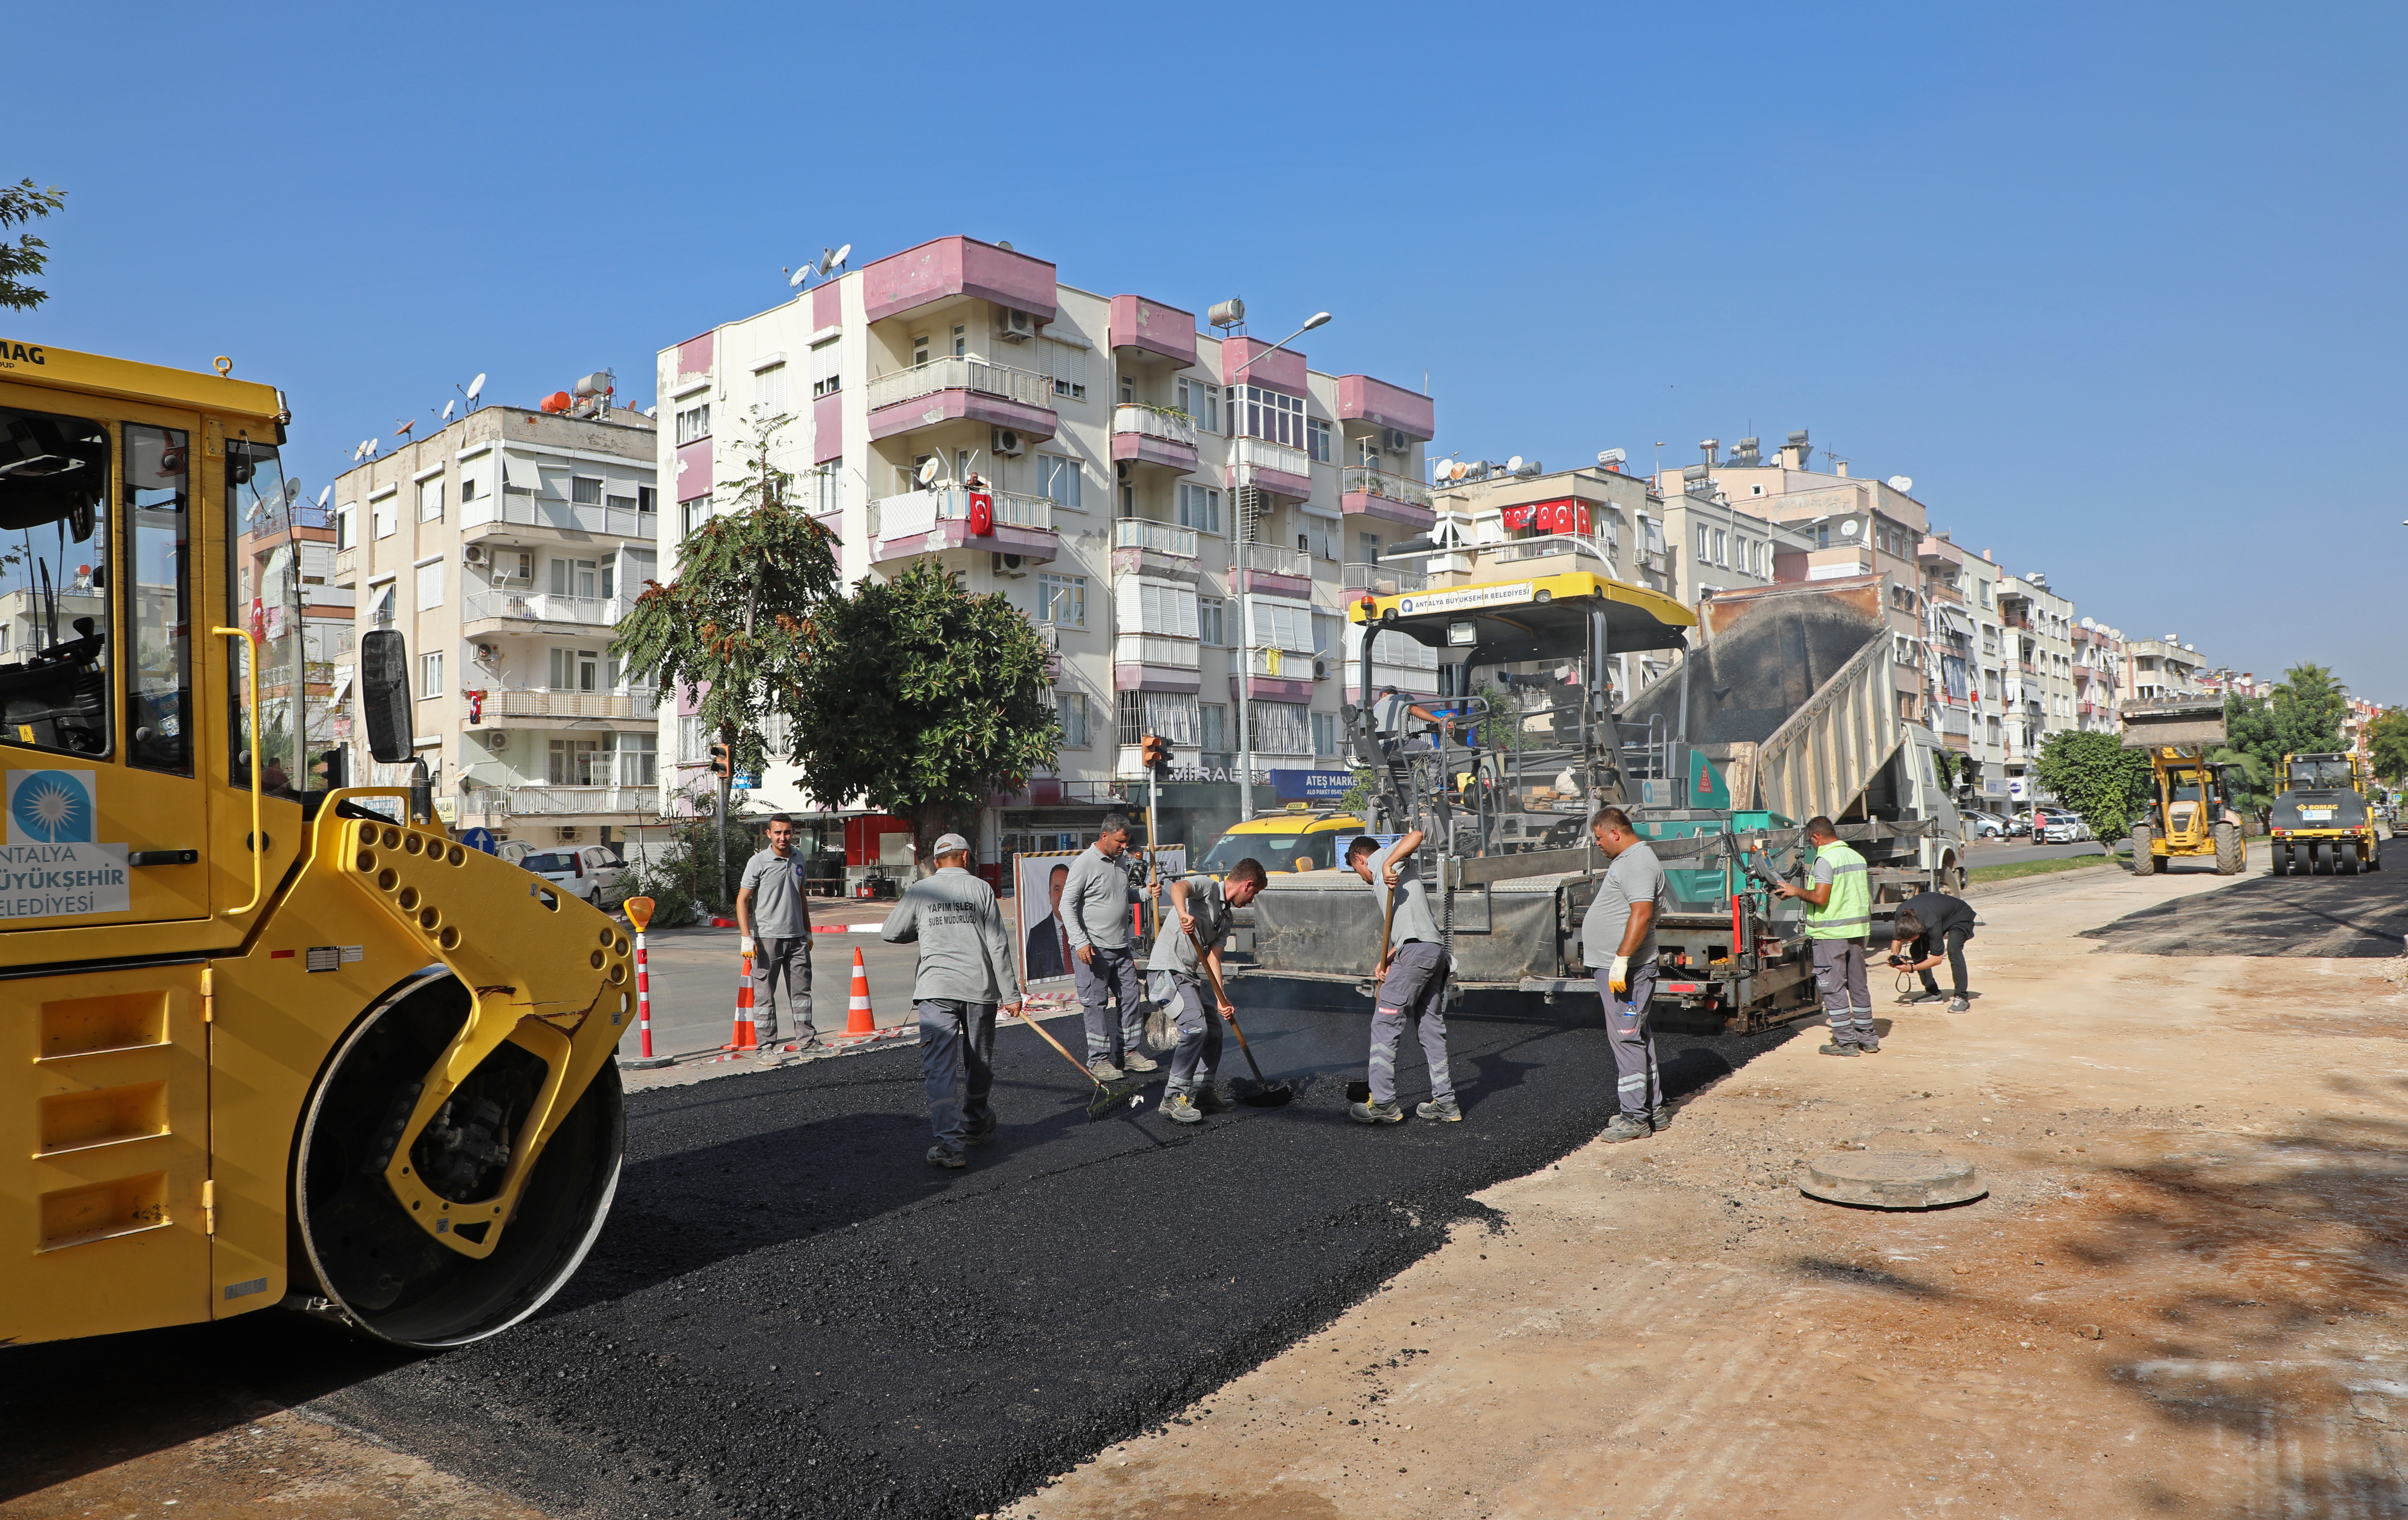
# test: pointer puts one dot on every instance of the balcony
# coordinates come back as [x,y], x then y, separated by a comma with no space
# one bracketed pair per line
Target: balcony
[1154,331]
[1145,548]
[952,388]
[1270,467]
[1273,571]
[542,702]
[519,607]
[1548,545]
[347,566]
[947,268]
[1280,674]
[1155,661]
[931,521]
[532,802]
[1363,399]
[1381,580]
[1145,435]
[512,508]
[1370,493]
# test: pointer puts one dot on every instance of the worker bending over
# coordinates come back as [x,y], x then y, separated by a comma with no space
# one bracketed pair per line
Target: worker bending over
[1412,975]
[1618,944]
[1931,924]
[1839,915]
[1095,903]
[1202,914]
[965,973]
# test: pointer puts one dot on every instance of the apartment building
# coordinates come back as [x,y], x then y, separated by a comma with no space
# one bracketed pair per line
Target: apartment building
[506,546]
[2098,676]
[284,545]
[1848,527]
[2037,629]
[2157,669]
[1174,508]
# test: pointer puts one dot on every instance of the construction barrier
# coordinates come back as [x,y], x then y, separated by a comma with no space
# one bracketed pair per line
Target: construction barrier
[640,913]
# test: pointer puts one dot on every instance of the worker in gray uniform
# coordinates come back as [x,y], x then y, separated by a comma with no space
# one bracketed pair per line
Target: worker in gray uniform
[1095,903]
[1618,944]
[964,975]
[1412,975]
[1202,912]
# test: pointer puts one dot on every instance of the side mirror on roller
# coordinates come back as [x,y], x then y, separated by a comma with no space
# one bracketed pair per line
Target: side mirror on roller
[384,694]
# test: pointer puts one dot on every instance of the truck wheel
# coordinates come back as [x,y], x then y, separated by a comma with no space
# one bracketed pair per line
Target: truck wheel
[2231,855]
[2279,859]
[2346,858]
[2321,854]
[2144,862]
[382,1272]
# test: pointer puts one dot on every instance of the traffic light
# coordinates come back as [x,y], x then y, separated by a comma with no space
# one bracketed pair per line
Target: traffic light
[1155,751]
[723,763]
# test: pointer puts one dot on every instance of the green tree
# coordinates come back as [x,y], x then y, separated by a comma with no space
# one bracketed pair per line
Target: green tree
[922,698]
[20,203]
[2095,776]
[2303,716]
[2388,739]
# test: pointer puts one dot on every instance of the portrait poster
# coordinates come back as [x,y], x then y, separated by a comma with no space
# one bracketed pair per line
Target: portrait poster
[1037,894]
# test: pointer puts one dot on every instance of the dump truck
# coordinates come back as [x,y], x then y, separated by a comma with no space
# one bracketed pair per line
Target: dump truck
[2323,822]
[279,1040]
[1785,709]
[2191,813]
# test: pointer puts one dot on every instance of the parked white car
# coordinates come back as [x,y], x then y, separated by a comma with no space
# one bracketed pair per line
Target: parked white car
[588,871]
[2061,828]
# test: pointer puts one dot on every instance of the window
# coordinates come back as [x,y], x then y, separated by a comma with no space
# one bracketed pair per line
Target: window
[1199,508]
[1756,490]
[1368,546]
[1172,714]
[827,487]
[1212,727]
[639,759]
[769,389]
[584,491]
[1156,607]
[468,488]
[1069,370]
[577,762]
[1324,734]
[1278,727]
[381,509]
[1704,544]
[575,669]
[1722,549]
[1282,624]
[1274,415]
[430,585]
[1128,501]
[961,341]
[1059,478]
[1201,400]
[826,360]
[1062,599]
[347,532]
[646,499]
[692,514]
[1128,388]
[574,577]
[430,674]
[430,500]
[694,423]
[1316,440]
[1070,711]
[1210,627]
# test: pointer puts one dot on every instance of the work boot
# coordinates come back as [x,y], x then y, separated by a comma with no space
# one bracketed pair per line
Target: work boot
[1835,1048]
[1870,1047]
[1922,997]
[1958,1004]
[1441,1111]
[1102,1067]
[1139,1062]
[941,1154]
[1369,1112]
[1625,1126]
[1659,1118]
[1210,1097]
[982,1133]
[1180,1109]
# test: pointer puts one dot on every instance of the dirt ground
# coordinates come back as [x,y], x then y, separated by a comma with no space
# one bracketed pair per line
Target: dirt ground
[2182,1295]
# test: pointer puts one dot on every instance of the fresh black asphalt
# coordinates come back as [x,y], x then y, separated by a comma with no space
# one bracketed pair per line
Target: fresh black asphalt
[791,1313]
[2336,916]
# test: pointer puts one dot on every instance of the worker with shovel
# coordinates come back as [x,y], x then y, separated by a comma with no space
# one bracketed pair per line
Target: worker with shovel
[964,973]
[1187,965]
[1412,975]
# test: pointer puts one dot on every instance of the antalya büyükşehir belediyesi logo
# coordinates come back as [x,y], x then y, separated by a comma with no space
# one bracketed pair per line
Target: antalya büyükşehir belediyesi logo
[49,807]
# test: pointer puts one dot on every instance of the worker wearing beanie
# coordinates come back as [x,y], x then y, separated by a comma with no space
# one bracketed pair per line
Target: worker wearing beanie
[1095,903]
[965,973]
[1839,915]
[1201,913]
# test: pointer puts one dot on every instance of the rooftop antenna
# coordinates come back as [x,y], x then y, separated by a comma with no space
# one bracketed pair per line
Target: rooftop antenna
[928,472]
[401,427]
[795,276]
[1903,484]
[323,494]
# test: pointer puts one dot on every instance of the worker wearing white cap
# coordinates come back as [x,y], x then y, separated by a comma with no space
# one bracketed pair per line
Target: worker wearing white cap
[964,973]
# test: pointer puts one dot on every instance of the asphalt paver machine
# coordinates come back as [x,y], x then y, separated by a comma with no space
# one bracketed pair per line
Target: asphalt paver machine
[2323,822]
[1787,709]
[2191,814]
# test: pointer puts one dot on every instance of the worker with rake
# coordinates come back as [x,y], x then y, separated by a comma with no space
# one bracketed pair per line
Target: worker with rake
[965,974]
[1411,977]
[1185,967]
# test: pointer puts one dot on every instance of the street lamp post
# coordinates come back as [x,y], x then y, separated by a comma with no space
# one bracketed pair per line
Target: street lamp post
[1246,598]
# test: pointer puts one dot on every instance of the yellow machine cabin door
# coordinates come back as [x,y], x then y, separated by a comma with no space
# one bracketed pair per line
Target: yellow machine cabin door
[104,1128]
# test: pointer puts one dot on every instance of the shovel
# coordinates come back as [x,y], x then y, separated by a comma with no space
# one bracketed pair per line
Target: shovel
[1267,1094]
[1387,925]
[1108,1097]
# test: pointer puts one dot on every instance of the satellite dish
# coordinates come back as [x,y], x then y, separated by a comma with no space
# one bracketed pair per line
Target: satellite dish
[1513,466]
[795,276]
[928,471]
[323,494]
[835,260]
[1903,484]
[1848,528]
[476,386]
[447,412]
[653,411]
[1461,469]
[292,489]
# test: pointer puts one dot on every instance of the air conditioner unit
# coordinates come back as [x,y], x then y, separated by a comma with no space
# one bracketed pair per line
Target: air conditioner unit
[497,740]
[1008,443]
[473,555]
[1018,327]
[486,653]
[1320,669]
[1121,469]
[1007,567]
[1393,440]
[567,833]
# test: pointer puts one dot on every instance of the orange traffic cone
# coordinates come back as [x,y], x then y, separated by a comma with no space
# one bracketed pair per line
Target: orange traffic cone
[860,1020]
[744,1039]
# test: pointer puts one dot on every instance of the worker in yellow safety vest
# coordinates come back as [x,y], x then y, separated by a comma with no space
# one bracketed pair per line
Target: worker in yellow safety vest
[1838,914]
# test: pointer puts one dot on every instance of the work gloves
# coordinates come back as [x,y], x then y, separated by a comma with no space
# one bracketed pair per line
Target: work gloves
[1619,978]
[745,945]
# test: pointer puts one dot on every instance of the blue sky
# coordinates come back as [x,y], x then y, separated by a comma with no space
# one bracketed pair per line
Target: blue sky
[2117,285]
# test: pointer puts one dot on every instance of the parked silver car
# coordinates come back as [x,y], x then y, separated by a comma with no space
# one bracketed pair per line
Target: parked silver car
[586,871]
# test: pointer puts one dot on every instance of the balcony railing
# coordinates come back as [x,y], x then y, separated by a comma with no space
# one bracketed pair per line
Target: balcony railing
[1384,580]
[951,373]
[347,563]
[1274,560]
[920,512]
[557,801]
[1361,479]
[1262,454]
[543,607]
[1154,538]
[1286,663]
[1154,649]
[1154,423]
[542,702]
[518,509]
[1548,545]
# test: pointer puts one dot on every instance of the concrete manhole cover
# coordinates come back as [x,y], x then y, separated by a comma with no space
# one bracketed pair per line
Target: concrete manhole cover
[1890,1180]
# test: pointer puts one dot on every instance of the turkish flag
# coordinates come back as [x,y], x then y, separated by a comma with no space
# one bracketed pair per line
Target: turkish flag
[981,514]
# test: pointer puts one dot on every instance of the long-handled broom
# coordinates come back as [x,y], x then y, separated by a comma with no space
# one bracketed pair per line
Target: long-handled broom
[1266,1094]
[1108,1097]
